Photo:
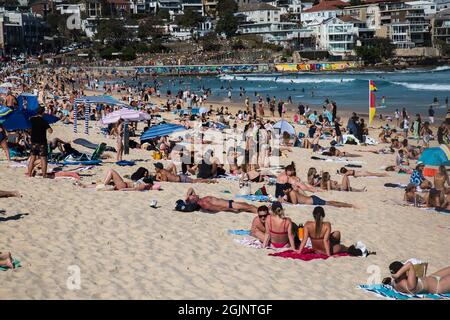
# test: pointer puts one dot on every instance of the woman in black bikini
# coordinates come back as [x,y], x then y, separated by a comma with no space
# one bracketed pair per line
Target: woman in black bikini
[322,239]
[4,141]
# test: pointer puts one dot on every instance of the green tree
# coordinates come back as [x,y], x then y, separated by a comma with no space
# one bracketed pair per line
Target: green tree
[163,14]
[190,19]
[375,50]
[128,54]
[149,28]
[227,24]
[226,6]
[113,31]
[210,42]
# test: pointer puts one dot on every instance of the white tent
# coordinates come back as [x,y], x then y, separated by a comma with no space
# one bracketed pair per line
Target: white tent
[284,126]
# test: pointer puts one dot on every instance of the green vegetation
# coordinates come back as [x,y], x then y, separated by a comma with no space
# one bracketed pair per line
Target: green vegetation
[375,50]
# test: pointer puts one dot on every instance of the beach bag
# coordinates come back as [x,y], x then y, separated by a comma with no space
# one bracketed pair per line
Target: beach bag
[157,155]
[186,207]
[261,191]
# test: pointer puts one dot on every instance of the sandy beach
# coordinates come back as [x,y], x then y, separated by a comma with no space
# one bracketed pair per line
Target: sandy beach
[126,250]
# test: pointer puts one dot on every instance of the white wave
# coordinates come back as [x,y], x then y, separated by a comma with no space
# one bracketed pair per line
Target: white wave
[441,68]
[426,87]
[284,80]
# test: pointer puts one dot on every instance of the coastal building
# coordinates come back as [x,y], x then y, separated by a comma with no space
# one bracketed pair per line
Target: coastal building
[172,6]
[324,10]
[93,8]
[405,25]
[338,36]
[441,28]
[119,7]
[442,4]
[22,33]
[194,5]
[210,7]
[264,20]
[369,13]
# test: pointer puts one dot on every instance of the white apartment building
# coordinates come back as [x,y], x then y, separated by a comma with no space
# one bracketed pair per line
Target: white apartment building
[337,36]
[322,11]
[368,13]
[264,20]
[429,7]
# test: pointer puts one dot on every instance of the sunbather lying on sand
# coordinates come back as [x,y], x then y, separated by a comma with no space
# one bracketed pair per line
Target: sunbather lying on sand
[213,204]
[166,175]
[404,279]
[117,182]
[294,197]
[8,194]
[6,260]
[327,184]
[333,152]
[357,174]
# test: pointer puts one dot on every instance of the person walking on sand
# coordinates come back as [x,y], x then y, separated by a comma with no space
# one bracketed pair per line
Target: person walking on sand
[431,114]
[39,146]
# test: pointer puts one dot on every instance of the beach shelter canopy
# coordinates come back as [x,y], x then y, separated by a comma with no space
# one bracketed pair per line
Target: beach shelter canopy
[436,156]
[7,85]
[4,111]
[3,90]
[161,130]
[125,114]
[31,101]
[284,126]
[100,100]
[20,119]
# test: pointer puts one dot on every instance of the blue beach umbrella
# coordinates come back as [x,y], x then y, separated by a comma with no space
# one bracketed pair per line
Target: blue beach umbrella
[20,120]
[161,130]
[436,156]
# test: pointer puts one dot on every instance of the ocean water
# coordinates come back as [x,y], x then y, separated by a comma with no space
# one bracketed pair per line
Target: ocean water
[414,89]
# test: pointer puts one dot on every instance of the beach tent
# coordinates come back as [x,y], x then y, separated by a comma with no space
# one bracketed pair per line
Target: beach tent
[4,111]
[436,156]
[203,110]
[161,130]
[20,119]
[125,114]
[284,126]
[7,85]
[31,100]
[88,100]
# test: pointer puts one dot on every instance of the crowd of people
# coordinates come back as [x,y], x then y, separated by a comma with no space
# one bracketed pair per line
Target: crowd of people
[250,160]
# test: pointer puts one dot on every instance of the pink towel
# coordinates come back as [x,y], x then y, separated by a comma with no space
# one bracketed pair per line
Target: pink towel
[67,175]
[306,255]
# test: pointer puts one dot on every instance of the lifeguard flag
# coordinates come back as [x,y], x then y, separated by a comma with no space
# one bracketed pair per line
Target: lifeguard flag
[372,109]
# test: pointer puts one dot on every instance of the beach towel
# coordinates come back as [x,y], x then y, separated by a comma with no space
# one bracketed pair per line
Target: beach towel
[87,144]
[395,185]
[387,291]
[228,177]
[249,242]
[124,163]
[16,264]
[338,160]
[306,255]
[239,232]
[72,175]
[252,197]
[443,211]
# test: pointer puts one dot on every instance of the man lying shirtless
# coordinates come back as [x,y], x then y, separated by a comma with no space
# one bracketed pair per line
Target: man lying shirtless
[357,174]
[213,204]
[294,197]
[169,176]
